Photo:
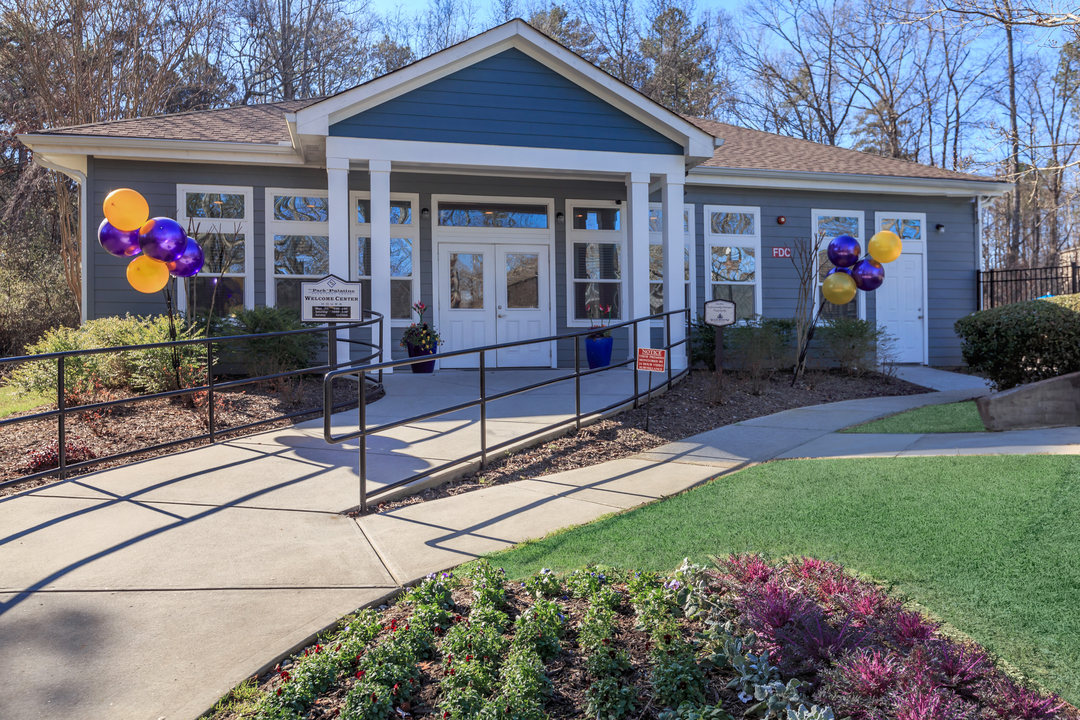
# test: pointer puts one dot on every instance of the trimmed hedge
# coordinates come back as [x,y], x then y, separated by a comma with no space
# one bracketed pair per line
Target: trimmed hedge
[1023,342]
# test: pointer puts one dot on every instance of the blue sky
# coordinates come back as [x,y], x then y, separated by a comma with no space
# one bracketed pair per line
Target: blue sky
[411,6]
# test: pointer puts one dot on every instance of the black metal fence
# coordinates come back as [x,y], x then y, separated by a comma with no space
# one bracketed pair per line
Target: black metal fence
[1003,287]
[363,432]
[211,387]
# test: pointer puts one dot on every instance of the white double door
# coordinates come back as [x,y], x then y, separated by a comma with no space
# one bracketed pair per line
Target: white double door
[493,293]
[900,308]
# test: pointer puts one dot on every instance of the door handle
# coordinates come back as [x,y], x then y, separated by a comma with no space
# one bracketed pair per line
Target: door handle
[501,315]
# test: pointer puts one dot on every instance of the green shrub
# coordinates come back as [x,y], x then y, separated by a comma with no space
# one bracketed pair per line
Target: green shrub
[137,370]
[1023,342]
[854,344]
[266,356]
[755,346]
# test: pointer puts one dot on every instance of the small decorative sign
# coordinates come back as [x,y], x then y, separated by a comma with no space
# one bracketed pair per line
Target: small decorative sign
[781,252]
[330,300]
[719,313]
[650,360]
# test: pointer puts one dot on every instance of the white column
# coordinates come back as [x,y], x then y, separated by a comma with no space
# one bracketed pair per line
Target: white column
[337,185]
[637,195]
[380,247]
[671,190]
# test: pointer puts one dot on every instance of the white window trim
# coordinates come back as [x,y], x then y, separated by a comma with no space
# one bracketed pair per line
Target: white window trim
[288,227]
[247,228]
[410,231]
[593,236]
[690,241]
[860,301]
[713,239]
[917,247]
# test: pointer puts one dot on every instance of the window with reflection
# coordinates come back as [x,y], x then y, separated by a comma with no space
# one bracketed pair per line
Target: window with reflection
[597,219]
[220,220]
[522,280]
[597,280]
[827,226]
[404,241]
[400,212]
[906,228]
[491,215]
[732,248]
[466,281]
[656,259]
[298,232]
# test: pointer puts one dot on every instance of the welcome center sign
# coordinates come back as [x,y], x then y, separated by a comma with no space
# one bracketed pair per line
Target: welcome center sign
[330,300]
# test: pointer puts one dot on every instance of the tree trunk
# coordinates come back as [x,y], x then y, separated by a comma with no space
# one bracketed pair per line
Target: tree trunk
[1014,150]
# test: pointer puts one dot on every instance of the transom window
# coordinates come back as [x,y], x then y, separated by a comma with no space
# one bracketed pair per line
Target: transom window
[828,224]
[219,218]
[596,255]
[298,243]
[492,215]
[656,258]
[404,242]
[732,249]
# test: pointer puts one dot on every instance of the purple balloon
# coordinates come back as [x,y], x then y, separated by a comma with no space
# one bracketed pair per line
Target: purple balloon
[162,239]
[190,261]
[868,274]
[117,242]
[836,270]
[844,251]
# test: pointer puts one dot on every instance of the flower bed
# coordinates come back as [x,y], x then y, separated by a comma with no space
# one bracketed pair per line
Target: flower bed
[799,640]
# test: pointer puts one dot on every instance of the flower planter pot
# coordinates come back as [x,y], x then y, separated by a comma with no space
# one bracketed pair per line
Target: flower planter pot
[598,351]
[422,367]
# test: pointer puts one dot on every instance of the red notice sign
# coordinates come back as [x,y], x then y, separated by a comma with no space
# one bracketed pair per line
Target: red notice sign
[650,360]
[781,252]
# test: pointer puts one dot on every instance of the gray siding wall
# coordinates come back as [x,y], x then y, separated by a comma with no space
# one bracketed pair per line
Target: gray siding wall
[507,99]
[950,258]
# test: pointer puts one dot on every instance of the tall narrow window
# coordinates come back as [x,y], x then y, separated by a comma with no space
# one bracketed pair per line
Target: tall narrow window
[298,243]
[732,252]
[404,244]
[597,247]
[220,219]
[828,224]
[656,257]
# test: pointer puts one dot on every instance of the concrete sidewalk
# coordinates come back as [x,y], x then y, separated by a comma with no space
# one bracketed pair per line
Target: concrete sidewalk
[148,591]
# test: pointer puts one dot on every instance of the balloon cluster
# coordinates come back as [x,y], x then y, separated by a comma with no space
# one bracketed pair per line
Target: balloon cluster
[159,246]
[852,274]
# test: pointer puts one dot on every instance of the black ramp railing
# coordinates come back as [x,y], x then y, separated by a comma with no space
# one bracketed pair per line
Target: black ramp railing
[363,431]
[212,388]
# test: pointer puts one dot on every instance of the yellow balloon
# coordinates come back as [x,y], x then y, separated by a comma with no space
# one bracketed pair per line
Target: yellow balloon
[126,210]
[885,246]
[839,288]
[147,275]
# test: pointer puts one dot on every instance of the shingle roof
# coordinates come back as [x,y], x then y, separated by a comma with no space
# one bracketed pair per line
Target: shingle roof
[747,149]
[743,148]
[261,124]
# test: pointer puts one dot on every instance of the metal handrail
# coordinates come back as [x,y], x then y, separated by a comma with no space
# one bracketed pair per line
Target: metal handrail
[363,432]
[374,319]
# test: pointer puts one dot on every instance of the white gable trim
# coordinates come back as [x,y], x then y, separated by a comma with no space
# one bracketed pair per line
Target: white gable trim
[316,119]
[843,182]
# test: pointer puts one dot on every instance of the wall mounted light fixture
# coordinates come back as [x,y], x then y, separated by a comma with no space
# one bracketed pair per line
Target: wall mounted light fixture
[560,218]
[940,228]
[425,213]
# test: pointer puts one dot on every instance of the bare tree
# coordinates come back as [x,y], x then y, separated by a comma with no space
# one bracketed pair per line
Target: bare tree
[615,25]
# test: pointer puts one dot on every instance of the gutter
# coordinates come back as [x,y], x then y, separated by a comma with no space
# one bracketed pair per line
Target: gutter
[281,153]
[84,262]
[850,182]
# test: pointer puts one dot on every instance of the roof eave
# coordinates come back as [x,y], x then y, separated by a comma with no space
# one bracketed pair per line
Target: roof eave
[210,151]
[845,182]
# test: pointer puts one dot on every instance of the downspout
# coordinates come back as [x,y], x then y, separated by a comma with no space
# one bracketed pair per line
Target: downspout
[84,262]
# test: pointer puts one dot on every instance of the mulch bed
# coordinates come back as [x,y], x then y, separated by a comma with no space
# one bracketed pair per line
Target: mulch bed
[129,427]
[690,407]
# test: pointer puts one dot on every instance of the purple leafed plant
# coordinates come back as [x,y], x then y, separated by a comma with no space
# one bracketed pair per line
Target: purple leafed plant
[869,673]
[911,627]
[1012,701]
[959,666]
[771,606]
[925,702]
[820,642]
[747,568]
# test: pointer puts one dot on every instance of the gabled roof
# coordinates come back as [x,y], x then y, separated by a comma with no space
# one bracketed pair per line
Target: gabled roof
[746,149]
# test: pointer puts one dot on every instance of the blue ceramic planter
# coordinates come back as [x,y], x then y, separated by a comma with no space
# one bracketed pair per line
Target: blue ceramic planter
[598,351]
[422,367]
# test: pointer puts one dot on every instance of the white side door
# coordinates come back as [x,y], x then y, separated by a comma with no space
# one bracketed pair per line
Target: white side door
[467,308]
[522,304]
[900,306]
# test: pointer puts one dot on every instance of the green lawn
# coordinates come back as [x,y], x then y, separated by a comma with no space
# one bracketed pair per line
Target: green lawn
[9,403]
[990,544]
[951,418]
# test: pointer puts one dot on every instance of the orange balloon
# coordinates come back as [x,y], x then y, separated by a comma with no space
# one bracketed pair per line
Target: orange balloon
[885,246]
[147,275]
[839,288]
[126,209]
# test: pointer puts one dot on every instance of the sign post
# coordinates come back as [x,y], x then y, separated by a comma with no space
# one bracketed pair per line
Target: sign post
[330,300]
[720,314]
[651,361]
